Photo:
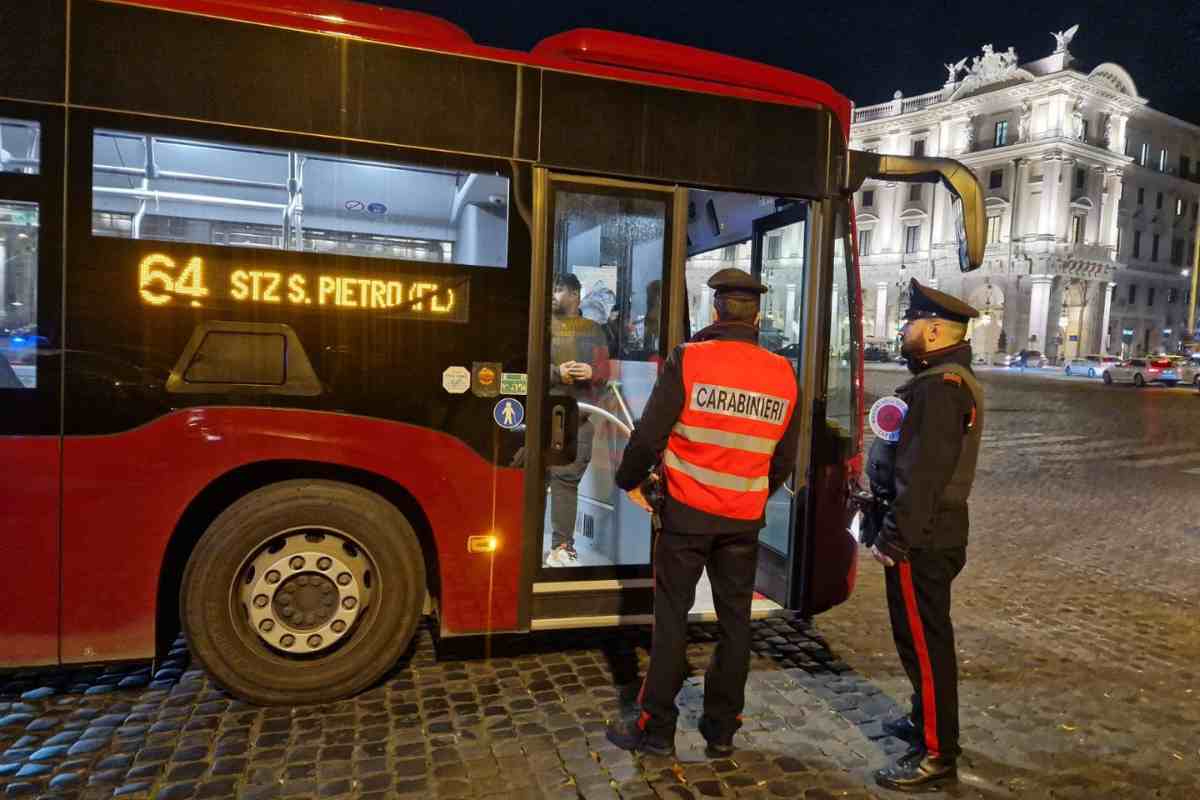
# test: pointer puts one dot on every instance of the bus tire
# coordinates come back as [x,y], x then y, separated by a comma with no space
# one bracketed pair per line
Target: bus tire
[303,591]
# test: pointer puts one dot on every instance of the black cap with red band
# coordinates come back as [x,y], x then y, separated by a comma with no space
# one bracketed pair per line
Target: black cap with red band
[926,302]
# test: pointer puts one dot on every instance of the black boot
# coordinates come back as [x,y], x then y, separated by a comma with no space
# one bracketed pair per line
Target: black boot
[717,745]
[636,740]
[904,729]
[910,774]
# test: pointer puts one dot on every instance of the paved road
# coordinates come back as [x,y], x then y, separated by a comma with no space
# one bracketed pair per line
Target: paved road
[1077,627]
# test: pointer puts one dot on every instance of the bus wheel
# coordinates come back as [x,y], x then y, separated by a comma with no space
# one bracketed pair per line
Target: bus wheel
[304,591]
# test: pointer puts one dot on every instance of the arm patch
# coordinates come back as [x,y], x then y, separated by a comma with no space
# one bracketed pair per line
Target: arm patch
[950,377]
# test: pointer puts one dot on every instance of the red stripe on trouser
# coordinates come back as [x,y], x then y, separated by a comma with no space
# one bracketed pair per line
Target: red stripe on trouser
[928,700]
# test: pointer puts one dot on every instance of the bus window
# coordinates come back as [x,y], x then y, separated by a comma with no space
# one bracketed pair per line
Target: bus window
[609,262]
[20,142]
[18,295]
[190,190]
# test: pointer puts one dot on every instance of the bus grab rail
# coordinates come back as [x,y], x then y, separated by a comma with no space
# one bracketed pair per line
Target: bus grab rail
[614,419]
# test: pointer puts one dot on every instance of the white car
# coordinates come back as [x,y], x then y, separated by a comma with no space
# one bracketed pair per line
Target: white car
[1091,366]
[1188,369]
[1141,371]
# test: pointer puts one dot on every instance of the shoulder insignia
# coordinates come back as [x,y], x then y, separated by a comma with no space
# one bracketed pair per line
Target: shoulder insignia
[950,377]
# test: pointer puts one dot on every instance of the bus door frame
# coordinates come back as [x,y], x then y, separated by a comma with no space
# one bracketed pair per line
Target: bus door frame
[33,425]
[782,579]
[622,594]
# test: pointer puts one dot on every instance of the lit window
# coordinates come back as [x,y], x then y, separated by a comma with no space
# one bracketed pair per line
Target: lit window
[1162,160]
[19,337]
[1180,206]
[774,247]
[912,238]
[993,229]
[864,242]
[1144,155]
[242,196]
[1001,133]
[20,146]
[1076,229]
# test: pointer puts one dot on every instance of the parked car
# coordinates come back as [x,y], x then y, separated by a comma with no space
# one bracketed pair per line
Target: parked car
[1091,366]
[1188,369]
[1140,371]
[1028,359]
[873,353]
[1002,359]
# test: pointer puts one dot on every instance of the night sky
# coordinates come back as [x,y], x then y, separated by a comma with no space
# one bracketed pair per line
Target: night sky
[869,49]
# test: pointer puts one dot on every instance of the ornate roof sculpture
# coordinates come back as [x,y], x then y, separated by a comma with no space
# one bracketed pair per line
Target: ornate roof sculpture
[989,68]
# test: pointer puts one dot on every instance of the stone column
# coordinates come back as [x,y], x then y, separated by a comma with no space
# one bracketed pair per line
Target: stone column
[1051,172]
[1039,311]
[1116,141]
[1062,210]
[881,300]
[1020,172]
[1104,321]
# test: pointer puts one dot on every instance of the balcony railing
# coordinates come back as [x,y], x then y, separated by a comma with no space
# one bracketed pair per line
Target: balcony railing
[901,105]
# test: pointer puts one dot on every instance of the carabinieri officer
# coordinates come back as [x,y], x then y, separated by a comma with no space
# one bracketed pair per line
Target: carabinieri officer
[927,477]
[723,423]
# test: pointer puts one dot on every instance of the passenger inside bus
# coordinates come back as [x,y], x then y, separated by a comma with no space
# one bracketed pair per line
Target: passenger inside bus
[578,366]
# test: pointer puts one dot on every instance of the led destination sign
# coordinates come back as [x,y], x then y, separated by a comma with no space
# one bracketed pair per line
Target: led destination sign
[167,281]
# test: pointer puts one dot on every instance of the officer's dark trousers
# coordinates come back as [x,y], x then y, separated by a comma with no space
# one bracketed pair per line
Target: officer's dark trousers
[918,592]
[679,558]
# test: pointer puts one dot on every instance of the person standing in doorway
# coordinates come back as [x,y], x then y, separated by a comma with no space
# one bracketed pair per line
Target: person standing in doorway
[925,478]
[578,368]
[722,428]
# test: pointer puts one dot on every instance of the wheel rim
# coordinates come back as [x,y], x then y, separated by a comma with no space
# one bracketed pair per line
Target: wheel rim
[305,591]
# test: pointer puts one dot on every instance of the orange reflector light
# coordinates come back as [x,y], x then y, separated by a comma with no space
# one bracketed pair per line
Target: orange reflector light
[482,544]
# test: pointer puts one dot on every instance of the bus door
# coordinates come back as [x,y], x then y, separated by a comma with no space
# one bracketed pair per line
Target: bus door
[807,559]
[779,259]
[599,331]
[30,372]
[781,241]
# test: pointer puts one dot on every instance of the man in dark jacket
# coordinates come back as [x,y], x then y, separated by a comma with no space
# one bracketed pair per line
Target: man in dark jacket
[721,425]
[925,477]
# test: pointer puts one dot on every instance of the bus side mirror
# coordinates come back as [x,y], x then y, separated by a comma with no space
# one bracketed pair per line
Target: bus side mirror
[965,189]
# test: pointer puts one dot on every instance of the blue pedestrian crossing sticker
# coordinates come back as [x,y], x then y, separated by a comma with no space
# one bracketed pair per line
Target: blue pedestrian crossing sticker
[886,417]
[509,413]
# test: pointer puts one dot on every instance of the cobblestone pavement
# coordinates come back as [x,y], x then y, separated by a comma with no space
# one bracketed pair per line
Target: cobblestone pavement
[1077,629]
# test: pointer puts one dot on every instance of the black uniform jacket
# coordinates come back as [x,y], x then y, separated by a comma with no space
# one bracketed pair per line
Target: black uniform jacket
[931,439]
[662,411]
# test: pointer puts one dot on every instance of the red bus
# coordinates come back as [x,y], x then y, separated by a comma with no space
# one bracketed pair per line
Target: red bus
[277,332]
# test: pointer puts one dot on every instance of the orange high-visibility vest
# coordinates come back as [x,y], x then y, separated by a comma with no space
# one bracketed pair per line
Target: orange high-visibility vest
[738,401]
